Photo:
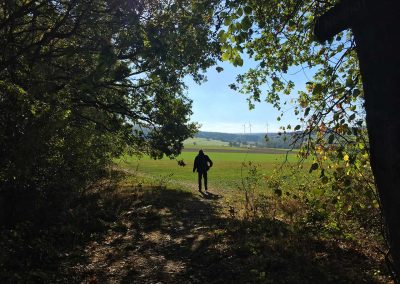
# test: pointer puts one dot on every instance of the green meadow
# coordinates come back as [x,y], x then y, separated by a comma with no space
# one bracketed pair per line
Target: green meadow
[225,174]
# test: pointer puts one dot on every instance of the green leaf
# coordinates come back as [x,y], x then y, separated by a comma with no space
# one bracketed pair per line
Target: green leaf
[318,88]
[246,23]
[349,81]
[222,35]
[233,87]
[356,92]
[248,10]
[227,21]
[238,61]
[307,111]
[297,127]
[226,56]
[336,116]
[331,138]
[313,167]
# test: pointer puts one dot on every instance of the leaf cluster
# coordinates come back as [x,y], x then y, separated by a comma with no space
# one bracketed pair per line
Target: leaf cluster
[278,37]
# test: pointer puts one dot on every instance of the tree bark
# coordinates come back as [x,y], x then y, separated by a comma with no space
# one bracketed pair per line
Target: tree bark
[378,48]
[377,34]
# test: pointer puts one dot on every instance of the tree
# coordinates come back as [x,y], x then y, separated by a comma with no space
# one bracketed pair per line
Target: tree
[278,36]
[81,80]
[376,33]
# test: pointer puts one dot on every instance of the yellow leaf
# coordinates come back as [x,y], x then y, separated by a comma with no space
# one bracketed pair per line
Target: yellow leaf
[346,158]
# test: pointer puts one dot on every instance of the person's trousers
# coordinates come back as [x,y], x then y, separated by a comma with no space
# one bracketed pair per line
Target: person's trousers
[202,175]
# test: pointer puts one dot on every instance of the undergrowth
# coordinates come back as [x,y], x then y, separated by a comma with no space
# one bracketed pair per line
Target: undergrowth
[275,236]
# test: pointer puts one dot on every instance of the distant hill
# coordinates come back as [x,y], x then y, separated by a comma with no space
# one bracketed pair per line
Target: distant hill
[270,140]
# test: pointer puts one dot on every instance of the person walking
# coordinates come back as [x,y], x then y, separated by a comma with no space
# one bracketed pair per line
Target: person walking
[202,164]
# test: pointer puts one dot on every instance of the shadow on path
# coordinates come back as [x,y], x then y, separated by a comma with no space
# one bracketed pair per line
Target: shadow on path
[175,236]
[209,195]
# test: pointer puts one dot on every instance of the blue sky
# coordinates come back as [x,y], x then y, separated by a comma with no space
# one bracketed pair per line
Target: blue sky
[219,109]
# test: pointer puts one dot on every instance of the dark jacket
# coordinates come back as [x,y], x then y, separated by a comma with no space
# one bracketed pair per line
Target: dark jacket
[202,163]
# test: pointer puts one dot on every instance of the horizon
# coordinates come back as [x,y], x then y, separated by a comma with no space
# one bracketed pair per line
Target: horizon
[241,133]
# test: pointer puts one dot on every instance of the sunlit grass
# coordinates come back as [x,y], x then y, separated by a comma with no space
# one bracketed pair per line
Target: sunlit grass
[226,172]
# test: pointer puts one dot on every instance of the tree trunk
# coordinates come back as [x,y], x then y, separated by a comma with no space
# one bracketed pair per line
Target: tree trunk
[375,24]
[378,47]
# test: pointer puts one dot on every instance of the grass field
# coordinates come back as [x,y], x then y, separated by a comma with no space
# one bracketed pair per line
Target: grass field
[225,174]
[167,232]
[204,142]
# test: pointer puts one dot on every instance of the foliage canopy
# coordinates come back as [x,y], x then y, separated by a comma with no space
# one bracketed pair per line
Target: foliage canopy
[278,36]
[81,80]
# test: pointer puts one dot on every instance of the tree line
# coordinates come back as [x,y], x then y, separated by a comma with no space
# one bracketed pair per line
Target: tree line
[270,140]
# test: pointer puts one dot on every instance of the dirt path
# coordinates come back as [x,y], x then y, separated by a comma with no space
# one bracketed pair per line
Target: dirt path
[122,231]
[180,236]
[172,240]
